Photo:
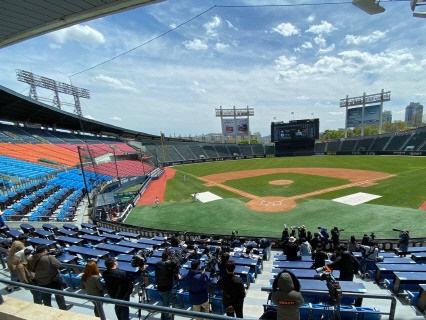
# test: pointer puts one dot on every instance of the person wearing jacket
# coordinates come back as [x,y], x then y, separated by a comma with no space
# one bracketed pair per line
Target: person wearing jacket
[17,245]
[346,263]
[198,287]
[91,282]
[286,296]
[25,275]
[46,267]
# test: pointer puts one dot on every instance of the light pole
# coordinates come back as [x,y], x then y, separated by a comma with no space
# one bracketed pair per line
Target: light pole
[84,176]
[116,167]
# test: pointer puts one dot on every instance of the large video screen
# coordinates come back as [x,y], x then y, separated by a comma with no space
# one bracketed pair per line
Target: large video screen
[296,130]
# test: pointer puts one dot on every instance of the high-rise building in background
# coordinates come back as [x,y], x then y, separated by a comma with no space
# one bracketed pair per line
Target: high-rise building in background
[387,116]
[414,114]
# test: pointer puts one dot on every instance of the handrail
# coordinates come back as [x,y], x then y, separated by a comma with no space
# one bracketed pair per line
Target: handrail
[391,312]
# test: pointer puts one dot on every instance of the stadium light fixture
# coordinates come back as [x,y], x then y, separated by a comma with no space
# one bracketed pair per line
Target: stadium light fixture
[369,6]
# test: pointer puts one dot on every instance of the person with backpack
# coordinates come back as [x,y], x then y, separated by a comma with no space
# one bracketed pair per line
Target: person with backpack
[346,263]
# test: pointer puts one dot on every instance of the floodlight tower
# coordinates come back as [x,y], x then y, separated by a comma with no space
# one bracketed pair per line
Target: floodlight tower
[38,81]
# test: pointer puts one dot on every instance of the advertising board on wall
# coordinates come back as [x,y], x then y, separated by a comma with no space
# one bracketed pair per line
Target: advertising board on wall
[232,126]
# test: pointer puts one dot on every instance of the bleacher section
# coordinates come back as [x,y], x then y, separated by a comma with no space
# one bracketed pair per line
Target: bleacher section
[379,143]
[397,142]
[333,146]
[348,145]
[125,168]
[365,144]
[222,151]
[417,141]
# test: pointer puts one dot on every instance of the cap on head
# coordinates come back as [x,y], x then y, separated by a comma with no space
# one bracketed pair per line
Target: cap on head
[291,239]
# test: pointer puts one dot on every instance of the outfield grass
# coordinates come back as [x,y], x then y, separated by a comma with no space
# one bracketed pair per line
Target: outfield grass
[400,197]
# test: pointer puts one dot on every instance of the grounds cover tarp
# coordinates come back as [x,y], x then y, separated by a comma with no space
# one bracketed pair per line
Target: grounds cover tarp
[357,198]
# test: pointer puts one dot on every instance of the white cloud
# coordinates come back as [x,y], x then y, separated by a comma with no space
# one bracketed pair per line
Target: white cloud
[319,40]
[212,25]
[197,88]
[326,50]
[196,44]
[324,27]
[221,46]
[54,46]
[79,33]
[311,17]
[116,118]
[286,29]
[118,84]
[284,63]
[373,37]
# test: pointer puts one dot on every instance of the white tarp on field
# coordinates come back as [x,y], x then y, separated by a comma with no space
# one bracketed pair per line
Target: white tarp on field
[357,198]
[206,197]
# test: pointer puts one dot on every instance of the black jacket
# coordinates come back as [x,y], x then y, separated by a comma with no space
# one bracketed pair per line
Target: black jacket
[164,275]
[233,289]
[118,284]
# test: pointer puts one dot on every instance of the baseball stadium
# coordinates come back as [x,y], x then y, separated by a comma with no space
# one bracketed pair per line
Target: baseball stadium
[86,191]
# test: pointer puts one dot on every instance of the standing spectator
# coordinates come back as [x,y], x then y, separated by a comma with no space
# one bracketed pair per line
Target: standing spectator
[319,257]
[353,244]
[324,237]
[316,240]
[286,296]
[309,236]
[165,271]
[346,263]
[301,233]
[335,237]
[369,256]
[91,282]
[233,291]
[265,244]
[305,248]
[174,240]
[198,287]
[404,238]
[291,249]
[285,234]
[17,245]
[119,285]
[222,264]
[46,267]
[24,274]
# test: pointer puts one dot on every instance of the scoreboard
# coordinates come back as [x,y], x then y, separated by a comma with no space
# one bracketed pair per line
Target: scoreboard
[295,130]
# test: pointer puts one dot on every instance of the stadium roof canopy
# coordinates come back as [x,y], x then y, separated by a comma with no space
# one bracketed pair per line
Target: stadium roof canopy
[24,19]
[17,108]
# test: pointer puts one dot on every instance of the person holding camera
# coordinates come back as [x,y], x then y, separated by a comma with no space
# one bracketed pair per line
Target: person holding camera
[291,249]
[46,267]
[233,291]
[165,272]
[370,256]
[346,263]
[198,287]
[286,296]
[335,237]
[404,238]
[119,285]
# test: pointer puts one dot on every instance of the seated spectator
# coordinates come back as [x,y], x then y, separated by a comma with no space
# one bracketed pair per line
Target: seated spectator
[319,257]
[353,244]
[193,255]
[305,248]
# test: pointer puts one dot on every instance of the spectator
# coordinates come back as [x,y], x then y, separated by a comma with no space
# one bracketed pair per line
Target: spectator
[17,245]
[165,271]
[119,285]
[291,249]
[404,238]
[265,244]
[286,296]
[335,237]
[46,267]
[309,236]
[24,274]
[285,235]
[353,244]
[346,263]
[174,240]
[316,240]
[91,282]
[365,240]
[198,287]
[324,237]
[369,256]
[305,248]
[193,255]
[319,257]
[233,291]
[301,233]
[222,264]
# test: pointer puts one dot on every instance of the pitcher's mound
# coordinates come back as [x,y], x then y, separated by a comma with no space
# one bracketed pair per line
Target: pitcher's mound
[280,182]
[271,204]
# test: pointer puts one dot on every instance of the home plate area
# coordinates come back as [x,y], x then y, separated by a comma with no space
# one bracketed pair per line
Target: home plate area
[357,198]
[206,197]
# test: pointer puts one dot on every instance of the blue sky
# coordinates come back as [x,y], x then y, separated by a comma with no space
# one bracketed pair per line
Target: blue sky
[276,59]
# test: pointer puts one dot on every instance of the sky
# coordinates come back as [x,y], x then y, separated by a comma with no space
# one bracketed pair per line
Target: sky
[167,66]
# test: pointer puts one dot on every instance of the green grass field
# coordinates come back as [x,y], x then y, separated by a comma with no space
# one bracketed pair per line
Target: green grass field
[398,206]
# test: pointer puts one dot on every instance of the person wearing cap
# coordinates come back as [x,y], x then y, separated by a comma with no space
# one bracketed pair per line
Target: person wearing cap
[46,267]
[198,287]
[286,296]
[24,274]
[291,249]
[17,245]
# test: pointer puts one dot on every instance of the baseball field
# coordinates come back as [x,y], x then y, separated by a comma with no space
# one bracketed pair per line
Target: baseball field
[256,197]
